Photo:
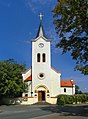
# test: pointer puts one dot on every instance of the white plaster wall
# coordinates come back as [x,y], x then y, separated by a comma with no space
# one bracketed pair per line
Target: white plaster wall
[69,90]
[55,83]
[51,100]
[73,89]
[32,100]
[41,67]
[29,101]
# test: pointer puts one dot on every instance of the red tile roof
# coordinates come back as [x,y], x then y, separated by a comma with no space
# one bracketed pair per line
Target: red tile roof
[66,83]
[28,78]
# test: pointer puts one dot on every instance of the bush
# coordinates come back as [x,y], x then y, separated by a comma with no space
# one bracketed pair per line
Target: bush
[70,99]
[87,97]
[60,100]
[84,98]
[79,98]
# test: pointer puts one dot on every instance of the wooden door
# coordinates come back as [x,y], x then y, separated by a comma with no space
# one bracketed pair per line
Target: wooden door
[40,96]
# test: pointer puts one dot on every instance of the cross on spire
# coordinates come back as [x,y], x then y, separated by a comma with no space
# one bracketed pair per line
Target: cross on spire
[41,15]
[40,30]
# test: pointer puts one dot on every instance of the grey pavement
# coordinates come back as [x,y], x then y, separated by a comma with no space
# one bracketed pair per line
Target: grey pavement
[44,112]
[58,116]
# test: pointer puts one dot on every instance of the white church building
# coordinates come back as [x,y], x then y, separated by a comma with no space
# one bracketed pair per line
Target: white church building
[44,83]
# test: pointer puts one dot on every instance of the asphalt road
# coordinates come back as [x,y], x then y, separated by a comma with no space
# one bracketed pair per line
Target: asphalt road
[44,112]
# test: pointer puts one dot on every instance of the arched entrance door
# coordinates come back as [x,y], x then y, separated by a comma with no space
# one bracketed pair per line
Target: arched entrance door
[41,95]
[41,90]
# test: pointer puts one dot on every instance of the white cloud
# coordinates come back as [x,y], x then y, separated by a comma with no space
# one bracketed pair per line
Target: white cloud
[45,6]
[51,34]
[38,6]
[27,41]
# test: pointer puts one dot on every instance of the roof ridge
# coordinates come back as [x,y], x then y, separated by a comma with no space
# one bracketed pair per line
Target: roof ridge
[55,70]
[27,70]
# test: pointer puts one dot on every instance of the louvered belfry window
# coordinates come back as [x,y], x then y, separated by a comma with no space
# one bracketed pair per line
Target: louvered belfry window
[38,57]
[44,57]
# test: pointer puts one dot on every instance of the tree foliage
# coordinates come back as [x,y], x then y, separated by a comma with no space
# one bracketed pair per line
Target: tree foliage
[11,84]
[71,20]
[77,90]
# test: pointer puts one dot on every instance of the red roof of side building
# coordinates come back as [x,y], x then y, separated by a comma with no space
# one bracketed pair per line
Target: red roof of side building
[28,78]
[67,83]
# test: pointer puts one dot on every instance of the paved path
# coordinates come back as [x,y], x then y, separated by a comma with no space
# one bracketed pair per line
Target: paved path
[44,112]
[58,116]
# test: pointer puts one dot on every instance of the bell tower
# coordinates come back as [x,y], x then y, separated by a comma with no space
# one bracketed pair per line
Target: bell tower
[41,57]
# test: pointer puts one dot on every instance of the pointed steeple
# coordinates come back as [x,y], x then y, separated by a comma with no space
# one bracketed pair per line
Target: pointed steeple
[40,29]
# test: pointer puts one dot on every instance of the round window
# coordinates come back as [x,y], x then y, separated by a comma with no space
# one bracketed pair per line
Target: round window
[41,75]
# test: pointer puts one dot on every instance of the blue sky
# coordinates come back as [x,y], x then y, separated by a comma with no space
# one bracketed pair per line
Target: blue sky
[19,23]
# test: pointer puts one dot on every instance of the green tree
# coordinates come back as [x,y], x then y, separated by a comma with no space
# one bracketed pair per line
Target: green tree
[11,84]
[77,90]
[71,21]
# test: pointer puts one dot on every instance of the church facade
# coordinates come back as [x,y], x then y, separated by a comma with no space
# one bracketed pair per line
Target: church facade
[44,83]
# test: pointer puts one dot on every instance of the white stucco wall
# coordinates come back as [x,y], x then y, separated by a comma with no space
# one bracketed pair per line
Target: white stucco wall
[55,83]
[52,78]
[51,100]
[29,83]
[69,90]
[73,89]
[29,101]
[41,67]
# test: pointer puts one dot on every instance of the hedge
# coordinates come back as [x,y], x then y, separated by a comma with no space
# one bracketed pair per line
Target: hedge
[71,99]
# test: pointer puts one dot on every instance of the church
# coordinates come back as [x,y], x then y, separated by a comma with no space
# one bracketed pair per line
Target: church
[44,83]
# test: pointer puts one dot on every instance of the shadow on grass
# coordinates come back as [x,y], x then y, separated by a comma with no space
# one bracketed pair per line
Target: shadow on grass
[68,110]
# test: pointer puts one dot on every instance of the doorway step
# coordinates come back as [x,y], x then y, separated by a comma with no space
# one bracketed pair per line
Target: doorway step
[42,103]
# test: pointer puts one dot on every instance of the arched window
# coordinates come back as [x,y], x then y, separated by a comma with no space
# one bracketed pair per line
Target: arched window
[38,57]
[44,57]
[64,89]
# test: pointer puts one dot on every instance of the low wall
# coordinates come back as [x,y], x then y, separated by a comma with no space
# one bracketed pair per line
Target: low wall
[27,100]
[51,100]
[23,101]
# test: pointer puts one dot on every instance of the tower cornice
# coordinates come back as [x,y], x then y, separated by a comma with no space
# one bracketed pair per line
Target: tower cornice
[47,40]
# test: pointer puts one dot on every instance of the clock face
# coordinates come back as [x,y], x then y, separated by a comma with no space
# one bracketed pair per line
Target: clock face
[41,45]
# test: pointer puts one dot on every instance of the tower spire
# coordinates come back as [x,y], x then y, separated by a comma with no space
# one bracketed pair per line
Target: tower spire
[40,30]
